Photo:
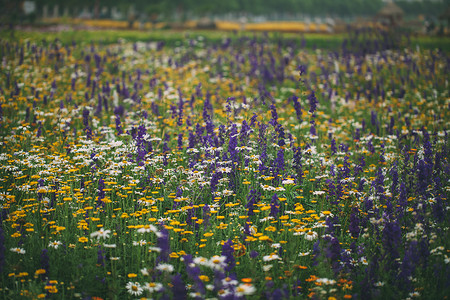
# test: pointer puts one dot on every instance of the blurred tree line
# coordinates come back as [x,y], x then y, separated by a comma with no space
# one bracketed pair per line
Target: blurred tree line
[167,8]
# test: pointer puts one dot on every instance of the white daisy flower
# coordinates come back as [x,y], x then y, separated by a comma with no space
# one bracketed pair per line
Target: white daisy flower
[287,181]
[156,249]
[311,235]
[267,268]
[134,288]
[363,260]
[318,192]
[153,286]
[140,243]
[275,245]
[201,261]
[54,244]
[18,250]
[217,262]
[102,233]
[271,257]
[165,268]
[245,289]
[148,228]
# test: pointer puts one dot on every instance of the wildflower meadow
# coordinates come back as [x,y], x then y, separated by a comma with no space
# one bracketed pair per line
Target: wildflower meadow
[250,167]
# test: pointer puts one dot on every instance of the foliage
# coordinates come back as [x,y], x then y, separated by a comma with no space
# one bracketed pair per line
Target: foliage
[264,7]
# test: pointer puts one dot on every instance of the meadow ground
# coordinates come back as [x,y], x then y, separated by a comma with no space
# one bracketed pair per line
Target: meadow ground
[223,165]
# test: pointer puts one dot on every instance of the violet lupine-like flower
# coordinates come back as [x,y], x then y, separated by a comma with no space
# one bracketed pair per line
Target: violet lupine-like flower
[233,179]
[379,183]
[332,171]
[359,168]
[439,209]
[198,90]
[173,108]
[206,215]
[252,120]
[333,146]
[178,287]
[190,215]
[344,171]
[274,120]
[100,257]
[216,176]
[192,140]
[373,118]
[101,193]
[180,141]
[101,186]
[254,254]
[219,277]
[27,114]
[98,110]
[166,148]
[312,129]
[383,151]
[2,249]
[394,178]
[410,261]
[280,161]
[357,135]
[312,102]
[193,271]
[210,127]
[302,69]
[163,242]
[244,132]
[227,251]
[206,116]
[428,152]
[199,132]
[252,199]
[72,84]
[392,236]
[402,199]
[330,223]
[297,163]
[143,147]
[118,125]
[45,262]
[229,105]
[424,177]
[262,142]
[354,223]
[280,130]
[274,206]
[39,130]
[316,253]
[87,129]
[233,143]
[119,110]
[333,252]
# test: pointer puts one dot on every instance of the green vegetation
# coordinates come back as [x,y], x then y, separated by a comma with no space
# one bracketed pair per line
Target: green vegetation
[170,37]
[183,8]
[221,166]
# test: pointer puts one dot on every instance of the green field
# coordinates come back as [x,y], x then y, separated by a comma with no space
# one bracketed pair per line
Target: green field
[215,165]
[311,40]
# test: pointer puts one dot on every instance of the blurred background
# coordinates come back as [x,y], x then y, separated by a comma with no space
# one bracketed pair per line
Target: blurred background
[430,17]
